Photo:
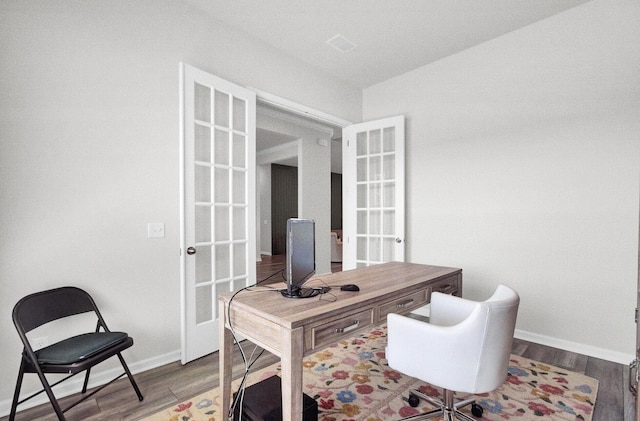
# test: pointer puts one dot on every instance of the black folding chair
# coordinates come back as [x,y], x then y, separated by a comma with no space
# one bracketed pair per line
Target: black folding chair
[69,356]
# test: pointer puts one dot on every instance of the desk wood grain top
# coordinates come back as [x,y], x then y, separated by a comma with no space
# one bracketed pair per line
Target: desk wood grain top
[386,281]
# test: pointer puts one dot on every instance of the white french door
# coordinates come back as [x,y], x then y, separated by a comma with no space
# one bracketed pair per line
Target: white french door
[218,226]
[373,192]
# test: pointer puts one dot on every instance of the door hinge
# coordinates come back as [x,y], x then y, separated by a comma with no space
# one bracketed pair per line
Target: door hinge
[636,315]
[633,377]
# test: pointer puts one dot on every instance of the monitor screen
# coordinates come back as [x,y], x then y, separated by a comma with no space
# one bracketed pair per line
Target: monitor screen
[301,255]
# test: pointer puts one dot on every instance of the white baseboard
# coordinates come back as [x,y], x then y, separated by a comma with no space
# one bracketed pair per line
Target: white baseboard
[592,351]
[97,378]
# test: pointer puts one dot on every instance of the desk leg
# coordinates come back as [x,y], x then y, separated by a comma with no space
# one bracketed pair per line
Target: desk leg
[291,363]
[226,363]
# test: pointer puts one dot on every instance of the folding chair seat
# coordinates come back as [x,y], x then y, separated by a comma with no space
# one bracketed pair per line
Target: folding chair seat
[72,355]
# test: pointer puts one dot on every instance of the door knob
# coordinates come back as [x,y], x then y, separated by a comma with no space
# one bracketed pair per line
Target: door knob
[191,250]
[398,240]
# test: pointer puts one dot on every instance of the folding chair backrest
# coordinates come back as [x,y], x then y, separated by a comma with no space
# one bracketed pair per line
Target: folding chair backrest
[43,307]
[71,355]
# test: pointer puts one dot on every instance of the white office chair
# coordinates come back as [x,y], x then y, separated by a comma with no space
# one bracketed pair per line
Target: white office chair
[464,347]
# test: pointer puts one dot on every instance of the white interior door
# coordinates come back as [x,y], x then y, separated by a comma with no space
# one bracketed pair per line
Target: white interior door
[218,205]
[373,192]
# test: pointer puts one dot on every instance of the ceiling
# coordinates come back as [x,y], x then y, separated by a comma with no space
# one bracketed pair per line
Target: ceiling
[391,37]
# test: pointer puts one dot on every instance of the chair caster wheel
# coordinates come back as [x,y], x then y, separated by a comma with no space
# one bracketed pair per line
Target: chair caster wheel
[413,400]
[476,410]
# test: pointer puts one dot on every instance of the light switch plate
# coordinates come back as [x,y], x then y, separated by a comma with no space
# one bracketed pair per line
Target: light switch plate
[155,230]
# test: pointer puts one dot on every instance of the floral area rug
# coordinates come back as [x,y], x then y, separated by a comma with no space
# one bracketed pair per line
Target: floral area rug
[352,381]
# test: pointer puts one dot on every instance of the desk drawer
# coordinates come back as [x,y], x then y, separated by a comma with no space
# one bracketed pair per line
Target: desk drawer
[403,304]
[331,332]
[447,286]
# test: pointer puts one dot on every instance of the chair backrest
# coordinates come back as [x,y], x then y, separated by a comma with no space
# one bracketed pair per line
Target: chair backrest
[465,346]
[497,319]
[40,308]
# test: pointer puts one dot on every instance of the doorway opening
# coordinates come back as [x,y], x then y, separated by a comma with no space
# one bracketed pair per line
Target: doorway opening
[280,136]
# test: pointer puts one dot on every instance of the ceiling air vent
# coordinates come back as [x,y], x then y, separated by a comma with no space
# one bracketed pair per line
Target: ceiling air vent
[341,44]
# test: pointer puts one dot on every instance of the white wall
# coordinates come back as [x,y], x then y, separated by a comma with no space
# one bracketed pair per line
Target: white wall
[523,167]
[314,193]
[264,212]
[89,130]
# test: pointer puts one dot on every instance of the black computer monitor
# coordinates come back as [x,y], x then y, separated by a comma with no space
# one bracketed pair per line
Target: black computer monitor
[301,257]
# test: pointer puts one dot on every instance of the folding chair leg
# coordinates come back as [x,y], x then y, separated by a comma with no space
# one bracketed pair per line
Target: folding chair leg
[47,389]
[52,397]
[86,380]
[16,394]
[133,382]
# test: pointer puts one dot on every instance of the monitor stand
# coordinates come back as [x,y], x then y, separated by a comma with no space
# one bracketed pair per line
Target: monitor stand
[301,292]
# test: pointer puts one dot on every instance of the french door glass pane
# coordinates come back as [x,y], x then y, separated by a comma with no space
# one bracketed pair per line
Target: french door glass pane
[389,168]
[389,249]
[361,144]
[239,151]
[389,195]
[362,248]
[221,288]
[222,223]
[223,257]
[202,143]
[202,183]
[221,108]
[375,195]
[222,147]
[389,139]
[361,169]
[222,185]
[362,222]
[374,142]
[375,168]
[239,115]
[361,201]
[204,303]
[388,222]
[374,249]
[203,222]
[240,283]
[375,223]
[203,264]
[239,259]
[239,182]
[239,223]
[202,103]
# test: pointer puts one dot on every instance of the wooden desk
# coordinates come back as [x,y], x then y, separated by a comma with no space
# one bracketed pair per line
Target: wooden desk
[294,328]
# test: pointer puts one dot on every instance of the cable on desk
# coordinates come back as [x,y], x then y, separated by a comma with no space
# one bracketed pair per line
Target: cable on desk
[241,388]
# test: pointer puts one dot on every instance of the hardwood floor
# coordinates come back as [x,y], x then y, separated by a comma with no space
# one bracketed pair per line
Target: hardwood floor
[173,383]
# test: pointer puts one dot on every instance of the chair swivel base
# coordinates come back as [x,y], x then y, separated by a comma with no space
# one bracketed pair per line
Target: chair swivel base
[448,410]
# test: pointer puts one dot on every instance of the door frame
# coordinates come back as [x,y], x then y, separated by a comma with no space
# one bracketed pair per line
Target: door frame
[279,108]
[298,109]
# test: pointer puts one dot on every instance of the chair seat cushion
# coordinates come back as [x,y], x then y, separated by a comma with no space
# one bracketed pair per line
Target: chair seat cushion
[79,348]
